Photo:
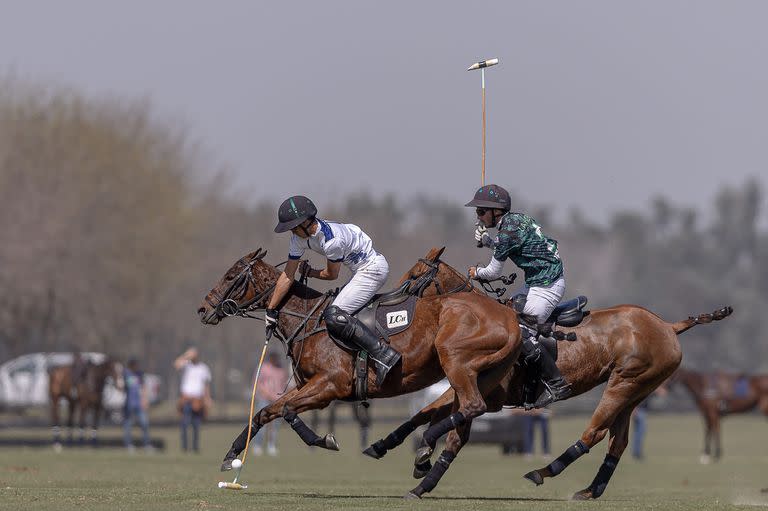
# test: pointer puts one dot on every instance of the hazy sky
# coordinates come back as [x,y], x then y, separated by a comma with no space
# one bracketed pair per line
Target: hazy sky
[599,105]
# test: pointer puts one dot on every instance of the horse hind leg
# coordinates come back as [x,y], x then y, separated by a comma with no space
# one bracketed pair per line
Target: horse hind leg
[619,438]
[614,400]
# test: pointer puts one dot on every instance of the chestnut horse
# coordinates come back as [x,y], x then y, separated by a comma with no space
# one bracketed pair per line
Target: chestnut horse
[469,338]
[83,395]
[629,347]
[718,394]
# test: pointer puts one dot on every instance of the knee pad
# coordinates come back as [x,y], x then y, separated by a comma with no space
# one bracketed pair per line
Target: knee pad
[336,319]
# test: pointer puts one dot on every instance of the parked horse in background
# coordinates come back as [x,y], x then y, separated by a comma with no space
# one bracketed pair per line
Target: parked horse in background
[718,394]
[627,346]
[82,387]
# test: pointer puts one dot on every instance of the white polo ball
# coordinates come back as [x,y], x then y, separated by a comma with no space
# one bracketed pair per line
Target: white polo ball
[236,463]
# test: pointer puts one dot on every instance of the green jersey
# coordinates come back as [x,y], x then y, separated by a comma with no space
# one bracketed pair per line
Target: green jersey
[521,240]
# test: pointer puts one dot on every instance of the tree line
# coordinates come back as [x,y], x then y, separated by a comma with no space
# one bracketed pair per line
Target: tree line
[115,225]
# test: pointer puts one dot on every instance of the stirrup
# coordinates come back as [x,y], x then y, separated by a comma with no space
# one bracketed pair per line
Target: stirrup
[552,394]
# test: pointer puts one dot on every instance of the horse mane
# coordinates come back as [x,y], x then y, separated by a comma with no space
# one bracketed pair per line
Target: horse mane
[304,292]
[298,289]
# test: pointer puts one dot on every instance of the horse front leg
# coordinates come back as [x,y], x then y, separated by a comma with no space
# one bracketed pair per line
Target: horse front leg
[454,442]
[316,394]
[618,440]
[55,426]
[433,412]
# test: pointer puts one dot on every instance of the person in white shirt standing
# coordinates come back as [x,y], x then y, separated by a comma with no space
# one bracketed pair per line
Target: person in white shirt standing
[195,395]
[341,244]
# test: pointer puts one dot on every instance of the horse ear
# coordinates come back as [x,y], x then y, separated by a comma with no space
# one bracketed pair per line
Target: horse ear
[435,254]
[257,254]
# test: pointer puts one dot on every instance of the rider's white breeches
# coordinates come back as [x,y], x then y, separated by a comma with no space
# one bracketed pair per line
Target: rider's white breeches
[541,301]
[366,281]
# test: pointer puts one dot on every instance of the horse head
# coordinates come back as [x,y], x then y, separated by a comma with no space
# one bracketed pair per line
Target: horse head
[432,276]
[245,286]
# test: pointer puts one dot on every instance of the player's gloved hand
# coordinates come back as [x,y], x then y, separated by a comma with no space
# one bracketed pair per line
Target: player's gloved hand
[482,237]
[270,319]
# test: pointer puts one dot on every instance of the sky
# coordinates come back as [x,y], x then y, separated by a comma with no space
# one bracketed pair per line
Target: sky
[599,105]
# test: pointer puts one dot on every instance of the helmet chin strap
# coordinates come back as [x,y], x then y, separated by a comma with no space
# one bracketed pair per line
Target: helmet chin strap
[304,229]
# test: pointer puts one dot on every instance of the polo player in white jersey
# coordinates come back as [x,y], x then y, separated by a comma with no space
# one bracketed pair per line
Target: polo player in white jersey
[341,244]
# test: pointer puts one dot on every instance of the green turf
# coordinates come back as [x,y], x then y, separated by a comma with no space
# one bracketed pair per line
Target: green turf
[671,478]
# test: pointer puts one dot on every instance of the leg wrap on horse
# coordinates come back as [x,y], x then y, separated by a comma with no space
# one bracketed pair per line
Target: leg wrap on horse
[439,468]
[603,475]
[306,434]
[239,444]
[394,439]
[570,455]
[444,426]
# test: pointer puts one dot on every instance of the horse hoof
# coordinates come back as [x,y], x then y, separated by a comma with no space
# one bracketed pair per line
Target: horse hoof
[330,442]
[585,494]
[423,454]
[414,494]
[226,466]
[422,470]
[57,448]
[370,451]
[534,477]
[705,459]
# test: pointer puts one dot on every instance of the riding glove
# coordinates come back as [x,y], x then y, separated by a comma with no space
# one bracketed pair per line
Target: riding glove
[482,236]
[270,319]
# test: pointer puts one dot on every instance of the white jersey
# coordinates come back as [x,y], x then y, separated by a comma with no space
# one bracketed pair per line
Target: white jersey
[345,243]
[194,378]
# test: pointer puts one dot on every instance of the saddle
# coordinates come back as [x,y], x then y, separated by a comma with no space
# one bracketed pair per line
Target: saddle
[386,314]
[567,314]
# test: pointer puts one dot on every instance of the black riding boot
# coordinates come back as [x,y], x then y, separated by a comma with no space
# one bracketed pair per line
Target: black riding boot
[556,388]
[350,329]
[542,364]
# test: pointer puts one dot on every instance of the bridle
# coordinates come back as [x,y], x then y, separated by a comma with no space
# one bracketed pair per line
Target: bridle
[228,303]
[422,282]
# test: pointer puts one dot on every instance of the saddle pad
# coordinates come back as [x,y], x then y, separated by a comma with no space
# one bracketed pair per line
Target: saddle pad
[389,319]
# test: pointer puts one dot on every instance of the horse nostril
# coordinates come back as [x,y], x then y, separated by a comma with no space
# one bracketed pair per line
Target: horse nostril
[201,311]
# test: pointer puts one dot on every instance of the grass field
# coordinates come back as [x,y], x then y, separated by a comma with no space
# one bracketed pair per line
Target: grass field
[302,479]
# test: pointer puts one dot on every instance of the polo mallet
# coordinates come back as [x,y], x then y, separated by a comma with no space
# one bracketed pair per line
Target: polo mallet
[481,66]
[234,485]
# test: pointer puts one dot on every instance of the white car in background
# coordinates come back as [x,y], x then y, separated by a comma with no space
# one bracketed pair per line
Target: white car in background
[24,381]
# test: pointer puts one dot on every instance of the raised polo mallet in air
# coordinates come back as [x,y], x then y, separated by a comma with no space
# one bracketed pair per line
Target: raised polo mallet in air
[481,66]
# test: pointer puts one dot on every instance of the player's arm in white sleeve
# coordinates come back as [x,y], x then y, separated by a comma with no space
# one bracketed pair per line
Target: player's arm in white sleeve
[492,271]
[285,280]
[335,254]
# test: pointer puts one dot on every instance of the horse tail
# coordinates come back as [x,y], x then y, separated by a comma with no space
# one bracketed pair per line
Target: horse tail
[682,326]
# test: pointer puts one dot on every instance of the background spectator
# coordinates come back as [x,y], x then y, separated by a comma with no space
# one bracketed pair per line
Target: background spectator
[195,395]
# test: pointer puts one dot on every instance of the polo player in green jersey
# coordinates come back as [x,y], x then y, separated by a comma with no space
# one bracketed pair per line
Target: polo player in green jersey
[520,239]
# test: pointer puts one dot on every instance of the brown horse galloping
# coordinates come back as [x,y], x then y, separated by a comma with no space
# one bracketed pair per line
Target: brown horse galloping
[718,394]
[457,335]
[627,346]
[83,393]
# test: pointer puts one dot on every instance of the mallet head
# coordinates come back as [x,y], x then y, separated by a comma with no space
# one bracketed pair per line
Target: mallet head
[482,64]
